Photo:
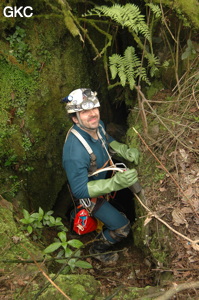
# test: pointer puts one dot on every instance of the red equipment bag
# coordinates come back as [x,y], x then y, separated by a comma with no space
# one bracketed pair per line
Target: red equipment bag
[84,223]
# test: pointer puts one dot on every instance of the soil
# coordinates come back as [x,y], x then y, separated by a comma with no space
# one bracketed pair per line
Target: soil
[130,270]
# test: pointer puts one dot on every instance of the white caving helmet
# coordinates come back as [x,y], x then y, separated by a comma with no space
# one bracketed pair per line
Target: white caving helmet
[81,99]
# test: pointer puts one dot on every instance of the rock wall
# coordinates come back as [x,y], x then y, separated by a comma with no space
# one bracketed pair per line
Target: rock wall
[40,64]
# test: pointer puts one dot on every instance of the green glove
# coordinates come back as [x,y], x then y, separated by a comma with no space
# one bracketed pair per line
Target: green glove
[117,182]
[130,154]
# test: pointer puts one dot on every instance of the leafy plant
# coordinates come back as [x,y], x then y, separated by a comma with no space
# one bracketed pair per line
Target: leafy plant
[127,67]
[65,250]
[155,9]
[127,16]
[190,52]
[130,67]
[40,219]
[64,244]
[19,48]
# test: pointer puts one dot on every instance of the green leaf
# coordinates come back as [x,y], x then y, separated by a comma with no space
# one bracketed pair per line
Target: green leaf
[61,261]
[50,212]
[77,253]
[62,236]
[27,220]
[83,264]
[35,215]
[64,245]
[29,229]
[58,221]
[26,214]
[52,247]
[52,219]
[75,243]
[72,263]
[41,212]
[68,252]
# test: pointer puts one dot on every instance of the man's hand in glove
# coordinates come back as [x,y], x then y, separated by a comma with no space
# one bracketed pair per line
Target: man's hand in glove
[117,182]
[130,154]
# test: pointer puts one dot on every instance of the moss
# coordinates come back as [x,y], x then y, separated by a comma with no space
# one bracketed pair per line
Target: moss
[13,242]
[190,9]
[75,286]
[6,23]
[32,142]
[130,293]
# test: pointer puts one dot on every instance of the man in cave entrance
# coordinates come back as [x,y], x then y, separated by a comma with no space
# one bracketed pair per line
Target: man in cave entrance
[87,161]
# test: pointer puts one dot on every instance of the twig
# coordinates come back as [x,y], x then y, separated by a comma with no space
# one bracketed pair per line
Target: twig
[144,100]
[171,270]
[165,169]
[178,288]
[151,215]
[194,97]
[115,293]
[173,121]
[45,275]
[142,111]
[165,23]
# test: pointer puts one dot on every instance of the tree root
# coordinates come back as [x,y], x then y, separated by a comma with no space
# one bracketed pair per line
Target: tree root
[178,288]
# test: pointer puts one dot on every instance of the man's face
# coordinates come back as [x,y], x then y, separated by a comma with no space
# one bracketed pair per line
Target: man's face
[88,118]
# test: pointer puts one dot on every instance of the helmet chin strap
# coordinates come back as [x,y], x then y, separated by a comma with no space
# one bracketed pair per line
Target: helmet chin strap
[82,126]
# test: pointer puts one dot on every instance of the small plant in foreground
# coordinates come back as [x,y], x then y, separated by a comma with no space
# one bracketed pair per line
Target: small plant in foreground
[40,219]
[65,251]
[37,221]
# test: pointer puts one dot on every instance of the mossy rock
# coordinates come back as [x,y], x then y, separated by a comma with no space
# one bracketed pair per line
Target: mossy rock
[185,9]
[30,101]
[74,286]
[130,293]
[13,243]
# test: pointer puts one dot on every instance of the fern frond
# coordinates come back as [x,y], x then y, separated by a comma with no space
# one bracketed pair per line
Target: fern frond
[153,70]
[153,62]
[141,74]
[122,75]
[132,62]
[127,67]
[142,28]
[155,9]
[117,67]
[116,61]
[128,15]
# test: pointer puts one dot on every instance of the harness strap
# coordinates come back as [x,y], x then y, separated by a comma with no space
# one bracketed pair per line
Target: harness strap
[93,158]
[103,143]
[82,140]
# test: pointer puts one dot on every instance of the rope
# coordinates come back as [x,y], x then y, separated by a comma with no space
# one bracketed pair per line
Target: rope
[151,214]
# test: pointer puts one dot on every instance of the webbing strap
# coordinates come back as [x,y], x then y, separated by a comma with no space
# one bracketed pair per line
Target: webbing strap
[82,140]
[93,164]
[103,143]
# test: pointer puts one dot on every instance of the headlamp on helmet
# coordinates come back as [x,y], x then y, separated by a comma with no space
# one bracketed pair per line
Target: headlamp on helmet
[81,99]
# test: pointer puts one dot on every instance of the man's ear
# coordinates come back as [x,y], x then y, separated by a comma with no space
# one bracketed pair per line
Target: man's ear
[75,120]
